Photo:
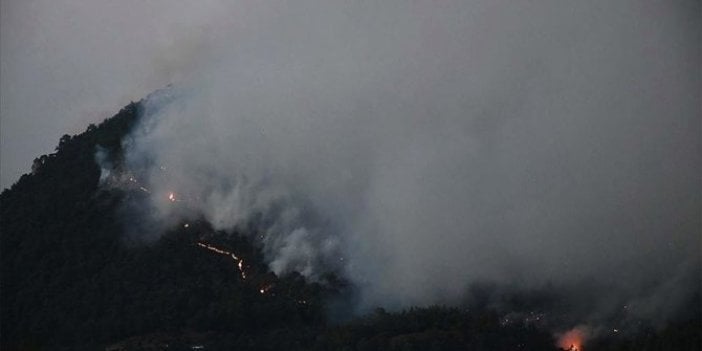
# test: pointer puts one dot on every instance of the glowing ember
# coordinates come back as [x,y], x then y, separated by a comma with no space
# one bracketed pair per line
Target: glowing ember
[241,268]
[240,262]
[264,289]
[573,339]
[186,225]
[217,250]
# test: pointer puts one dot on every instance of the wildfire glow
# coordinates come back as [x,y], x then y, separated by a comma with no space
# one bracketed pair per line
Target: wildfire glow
[217,250]
[239,261]
[264,289]
[573,339]
[240,265]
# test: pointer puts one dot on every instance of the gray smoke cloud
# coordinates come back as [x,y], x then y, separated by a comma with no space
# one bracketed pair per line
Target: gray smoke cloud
[421,147]
[67,63]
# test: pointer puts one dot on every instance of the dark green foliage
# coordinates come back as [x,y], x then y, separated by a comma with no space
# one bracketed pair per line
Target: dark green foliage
[682,335]
[436,328]
[69,282]
[56,233]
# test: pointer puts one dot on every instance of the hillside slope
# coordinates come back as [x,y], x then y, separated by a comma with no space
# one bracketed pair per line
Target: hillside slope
[69,278]
[71,281]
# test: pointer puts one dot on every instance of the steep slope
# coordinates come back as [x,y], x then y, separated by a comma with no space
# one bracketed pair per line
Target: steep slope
[69,279]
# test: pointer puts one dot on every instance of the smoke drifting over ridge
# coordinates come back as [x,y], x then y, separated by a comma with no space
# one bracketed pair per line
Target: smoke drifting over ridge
[422,147]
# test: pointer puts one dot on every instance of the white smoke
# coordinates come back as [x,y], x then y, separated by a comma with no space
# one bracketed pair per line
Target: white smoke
[420,148]
[227,188]
[103,161]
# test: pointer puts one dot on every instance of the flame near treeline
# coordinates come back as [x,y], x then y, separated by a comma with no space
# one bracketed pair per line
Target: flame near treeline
[406,146]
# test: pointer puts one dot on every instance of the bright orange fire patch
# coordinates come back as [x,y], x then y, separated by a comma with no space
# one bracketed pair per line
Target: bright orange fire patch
[573,339]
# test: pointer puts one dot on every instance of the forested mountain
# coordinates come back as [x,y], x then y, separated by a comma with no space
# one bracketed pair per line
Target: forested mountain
[70,281]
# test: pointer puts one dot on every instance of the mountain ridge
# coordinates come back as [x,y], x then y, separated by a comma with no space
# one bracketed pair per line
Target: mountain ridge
[71,280]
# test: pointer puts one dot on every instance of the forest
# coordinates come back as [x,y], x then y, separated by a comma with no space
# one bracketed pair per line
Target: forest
[70,281]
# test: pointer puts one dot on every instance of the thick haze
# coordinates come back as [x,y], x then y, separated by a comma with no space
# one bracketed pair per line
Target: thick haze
[67,63]
[416,146]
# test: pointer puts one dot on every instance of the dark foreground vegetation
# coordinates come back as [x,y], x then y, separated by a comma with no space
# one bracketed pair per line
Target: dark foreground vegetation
[70,281]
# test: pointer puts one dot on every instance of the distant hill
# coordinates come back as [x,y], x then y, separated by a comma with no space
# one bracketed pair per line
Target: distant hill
[71,282]
[68,279]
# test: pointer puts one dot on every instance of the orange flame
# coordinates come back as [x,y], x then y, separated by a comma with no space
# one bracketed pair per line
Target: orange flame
[239,261]
[573,339]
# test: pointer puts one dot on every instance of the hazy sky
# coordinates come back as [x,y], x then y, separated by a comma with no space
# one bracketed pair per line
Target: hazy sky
[431,144]
[67,63]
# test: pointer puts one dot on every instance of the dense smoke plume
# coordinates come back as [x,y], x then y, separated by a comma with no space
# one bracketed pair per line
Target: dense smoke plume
[419,148]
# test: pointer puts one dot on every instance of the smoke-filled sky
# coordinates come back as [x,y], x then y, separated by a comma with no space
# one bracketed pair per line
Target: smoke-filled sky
[67,63]
[428,144]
